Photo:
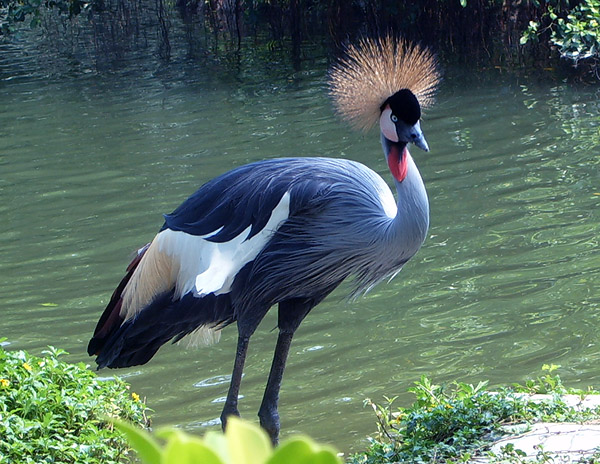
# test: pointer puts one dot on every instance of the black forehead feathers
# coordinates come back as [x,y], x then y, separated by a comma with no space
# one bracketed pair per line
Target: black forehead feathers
[405,106]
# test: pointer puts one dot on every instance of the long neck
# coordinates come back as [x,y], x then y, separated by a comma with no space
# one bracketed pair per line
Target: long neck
[409,228]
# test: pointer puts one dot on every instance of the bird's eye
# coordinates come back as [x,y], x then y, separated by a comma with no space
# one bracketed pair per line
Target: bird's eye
[394,118]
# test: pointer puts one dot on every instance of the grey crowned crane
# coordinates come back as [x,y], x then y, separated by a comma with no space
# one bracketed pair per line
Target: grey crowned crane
[283,231]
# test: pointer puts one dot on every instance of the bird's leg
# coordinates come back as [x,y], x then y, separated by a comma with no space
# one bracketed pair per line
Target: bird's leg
[268,414]
[291,313]
[231,403]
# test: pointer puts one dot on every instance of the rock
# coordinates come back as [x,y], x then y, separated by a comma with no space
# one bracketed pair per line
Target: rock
[558,442]
[565,441]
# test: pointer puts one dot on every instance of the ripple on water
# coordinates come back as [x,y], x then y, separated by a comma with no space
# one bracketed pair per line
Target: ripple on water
[213,381]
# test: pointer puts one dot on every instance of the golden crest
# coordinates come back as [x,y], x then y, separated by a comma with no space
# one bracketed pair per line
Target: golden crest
[376,69]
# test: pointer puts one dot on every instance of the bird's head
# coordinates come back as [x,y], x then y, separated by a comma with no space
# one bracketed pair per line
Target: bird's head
[387,80]
[400,119]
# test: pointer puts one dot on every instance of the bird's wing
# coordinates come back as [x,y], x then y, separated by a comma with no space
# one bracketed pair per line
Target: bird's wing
[226,206]
[203,244]
[202,265]
[228,223]
[222,227]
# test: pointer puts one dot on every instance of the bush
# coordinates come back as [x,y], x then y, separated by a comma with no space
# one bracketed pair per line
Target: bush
[578,35]
[455,422]
[52,411]
[575,32]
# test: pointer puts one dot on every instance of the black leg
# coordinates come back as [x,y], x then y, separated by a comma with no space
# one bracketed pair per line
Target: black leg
[231,403]
[268,414]
[291,313]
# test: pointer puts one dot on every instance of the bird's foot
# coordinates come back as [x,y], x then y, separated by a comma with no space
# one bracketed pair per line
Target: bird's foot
[227,412]
[269,421]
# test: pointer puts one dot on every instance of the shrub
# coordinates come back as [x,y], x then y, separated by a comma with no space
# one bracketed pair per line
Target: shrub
[578,35]
[453,423]
[52,411]
[575,33]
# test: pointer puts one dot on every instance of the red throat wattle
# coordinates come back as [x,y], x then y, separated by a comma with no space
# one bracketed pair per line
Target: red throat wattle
[398,162]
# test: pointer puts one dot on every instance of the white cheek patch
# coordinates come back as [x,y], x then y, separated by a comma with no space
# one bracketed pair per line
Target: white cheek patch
[388,128]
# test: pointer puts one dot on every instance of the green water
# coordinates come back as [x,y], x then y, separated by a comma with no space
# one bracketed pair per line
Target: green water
[506,281]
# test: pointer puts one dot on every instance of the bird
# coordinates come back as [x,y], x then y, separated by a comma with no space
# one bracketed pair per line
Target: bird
[283,231]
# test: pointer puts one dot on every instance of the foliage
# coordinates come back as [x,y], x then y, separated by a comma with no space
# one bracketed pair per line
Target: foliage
[453,423]
[18,11]
[578,35]
[242,443]
[52,411]
[483,29]
[575,32]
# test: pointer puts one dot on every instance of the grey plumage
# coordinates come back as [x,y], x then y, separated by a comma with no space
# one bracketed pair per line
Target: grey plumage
[366,244]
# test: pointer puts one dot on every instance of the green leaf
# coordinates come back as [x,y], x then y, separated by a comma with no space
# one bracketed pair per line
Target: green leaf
[302,450]
[324,456]
[186,449]
[294,451]
[247,443]
[463,3]
[550,367]
[217,442]
[141,441]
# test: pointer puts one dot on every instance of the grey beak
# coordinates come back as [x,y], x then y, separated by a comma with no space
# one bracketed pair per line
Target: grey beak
[417,137]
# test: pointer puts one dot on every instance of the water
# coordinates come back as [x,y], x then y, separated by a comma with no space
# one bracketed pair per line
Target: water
[506,281]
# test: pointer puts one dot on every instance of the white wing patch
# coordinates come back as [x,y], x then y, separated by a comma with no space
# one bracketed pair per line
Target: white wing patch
[208,267]
[190,263]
